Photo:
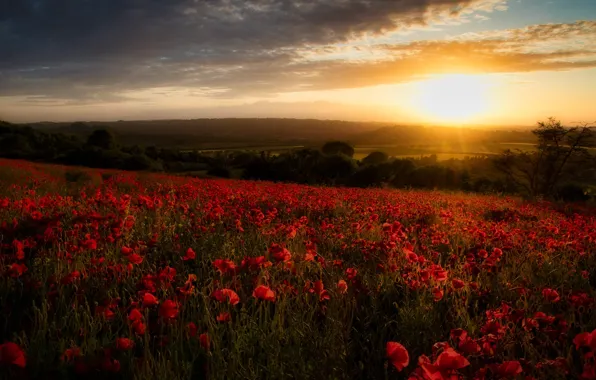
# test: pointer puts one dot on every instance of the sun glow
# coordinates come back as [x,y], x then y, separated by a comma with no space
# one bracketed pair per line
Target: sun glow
[452,98]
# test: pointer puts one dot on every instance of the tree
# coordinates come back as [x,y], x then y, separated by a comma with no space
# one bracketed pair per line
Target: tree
[375,158]
[102,138]
[558,152]
[338,147]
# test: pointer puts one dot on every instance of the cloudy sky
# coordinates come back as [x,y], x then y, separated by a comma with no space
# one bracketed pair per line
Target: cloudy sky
[435,61]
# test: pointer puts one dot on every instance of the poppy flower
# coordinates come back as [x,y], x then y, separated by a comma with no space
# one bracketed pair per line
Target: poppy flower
[224,266]
[149,300]
[205,341]
[437,294]
[168,309]
[70,354]
[226,294]
[189,255]
[17,270]
[126,251]
[124,344]
[508,369]
[398,355]
[224,317]
[139,327]
[192,329]
[320,290]
[264,293]
[135,258]
[451,360]
[458,284]
[342,287]
[12,354]
[585,339]
[135,315]
[551,295]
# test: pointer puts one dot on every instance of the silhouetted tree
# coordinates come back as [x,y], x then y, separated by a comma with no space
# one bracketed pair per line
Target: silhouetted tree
[559,150]
[338,147]
[102,138]
[375,158]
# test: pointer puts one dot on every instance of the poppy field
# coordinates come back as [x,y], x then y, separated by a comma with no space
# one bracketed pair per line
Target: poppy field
[107,274]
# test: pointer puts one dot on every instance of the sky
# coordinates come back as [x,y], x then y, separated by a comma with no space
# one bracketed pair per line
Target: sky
[453,62]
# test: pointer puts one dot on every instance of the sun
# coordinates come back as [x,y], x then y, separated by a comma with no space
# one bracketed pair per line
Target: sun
[456,98]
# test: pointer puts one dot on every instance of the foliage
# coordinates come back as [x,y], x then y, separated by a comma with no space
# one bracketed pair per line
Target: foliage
[338,147]
[333,164]
[561,155]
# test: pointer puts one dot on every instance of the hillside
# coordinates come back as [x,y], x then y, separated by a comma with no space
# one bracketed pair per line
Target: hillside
[136,275]
[217,133]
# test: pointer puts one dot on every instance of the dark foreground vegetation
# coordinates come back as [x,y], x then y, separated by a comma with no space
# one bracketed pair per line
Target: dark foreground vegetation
[558,164]
[148,276]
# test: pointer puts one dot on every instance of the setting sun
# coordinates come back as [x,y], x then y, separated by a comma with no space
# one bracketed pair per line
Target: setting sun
[452,98]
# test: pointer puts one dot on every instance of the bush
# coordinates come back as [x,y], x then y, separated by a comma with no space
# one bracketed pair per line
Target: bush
[77,176]
[571,193]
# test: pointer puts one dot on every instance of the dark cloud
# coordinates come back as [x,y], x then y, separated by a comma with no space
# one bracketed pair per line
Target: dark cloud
[95,50]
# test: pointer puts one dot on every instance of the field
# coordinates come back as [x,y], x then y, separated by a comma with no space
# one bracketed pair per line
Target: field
[107,274]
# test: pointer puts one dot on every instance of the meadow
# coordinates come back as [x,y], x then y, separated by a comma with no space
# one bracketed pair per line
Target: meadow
[135,275]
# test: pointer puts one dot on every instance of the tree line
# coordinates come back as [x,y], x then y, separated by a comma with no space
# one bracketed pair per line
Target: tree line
[561,166]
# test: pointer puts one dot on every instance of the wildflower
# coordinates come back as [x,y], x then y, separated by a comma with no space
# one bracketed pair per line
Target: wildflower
[264,293]
[205,341]
[551,295]
[149,300]
[135,258]
[437,294]
[12,354]
[189,255]
[510,369]
[398,355]
[342,287]
[168,309]
[124,344]
[226,294]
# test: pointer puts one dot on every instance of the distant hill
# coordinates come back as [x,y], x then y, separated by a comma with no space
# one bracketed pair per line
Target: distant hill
[208,133]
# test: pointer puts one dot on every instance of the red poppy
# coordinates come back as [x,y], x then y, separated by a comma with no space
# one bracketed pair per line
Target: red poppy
[342,287]
[139,327]
[135,314]
[205,341]
[12,354]
[126,251]
[585,339]
[551,295]
[508,369]
[124,344]
[437,294]
[398,355]
[226,294]
[189,255]
[320,290]
[224,266]
[168,309]
[149,300]
[224,317]
[264,293]
[17,270]
[70,354]
[451,360]
[192,329]
[135,258]
[280,253]
[457,284]
[445,365]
